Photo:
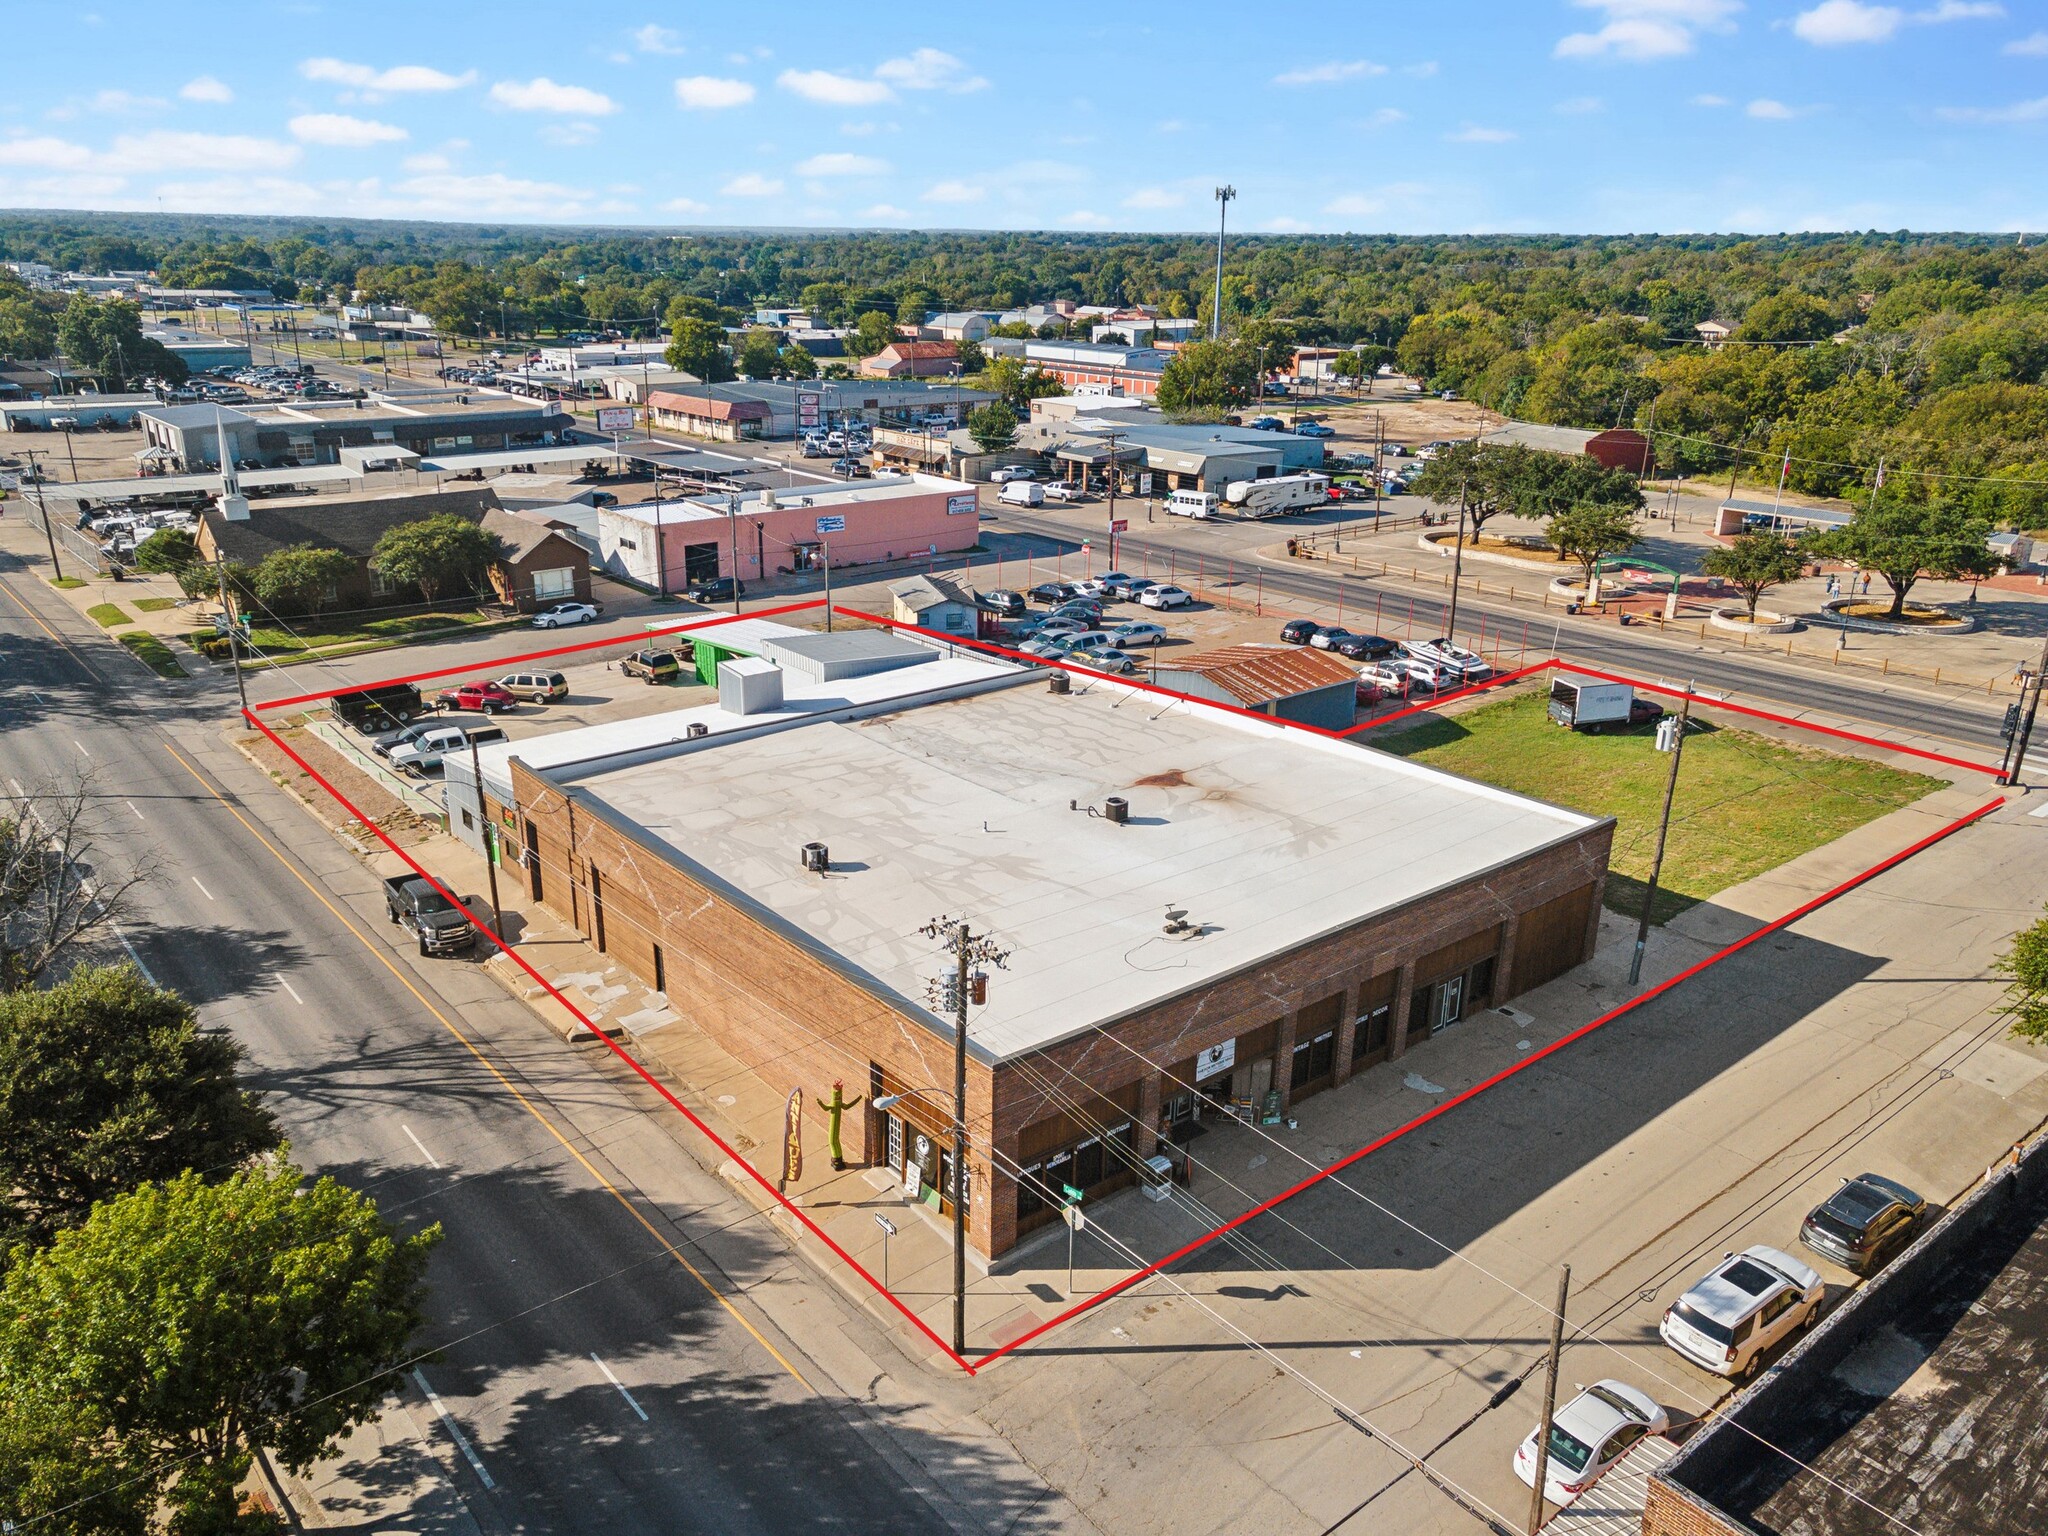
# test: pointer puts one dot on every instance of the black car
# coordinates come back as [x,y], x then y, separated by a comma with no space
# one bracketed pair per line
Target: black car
[719,589]
[1009,604]
[1864,1223]
[1364,647]
[1079,608]
[1299,631]
[1052,593]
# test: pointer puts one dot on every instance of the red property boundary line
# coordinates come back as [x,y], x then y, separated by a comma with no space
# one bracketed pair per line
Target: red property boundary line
[971,1367]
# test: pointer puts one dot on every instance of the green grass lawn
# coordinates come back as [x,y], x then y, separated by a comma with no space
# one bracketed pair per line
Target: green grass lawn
[66,583]
[320,635]
[1745,804]
[107,615]
[153,652]
[154,604]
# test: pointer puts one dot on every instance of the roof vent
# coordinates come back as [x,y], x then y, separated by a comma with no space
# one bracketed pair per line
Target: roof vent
[1117,809]
[1060,683]
[768,498]
[695,729]
[817,858]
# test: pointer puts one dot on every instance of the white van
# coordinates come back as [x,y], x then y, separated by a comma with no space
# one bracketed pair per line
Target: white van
[1022,493]
[1192,504]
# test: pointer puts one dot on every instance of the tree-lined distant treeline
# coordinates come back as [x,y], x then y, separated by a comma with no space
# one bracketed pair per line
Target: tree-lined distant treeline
[1940,365]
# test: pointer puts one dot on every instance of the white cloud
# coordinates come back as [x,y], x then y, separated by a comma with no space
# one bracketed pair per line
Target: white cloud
[841,164]
[1288,226]
[1710,100]
[684,205]
[885,211]
[1154,197]
[1834,23]
[821,85]
[1386,117]
[2032,47]
[106,103]
[164,150]
[206,88]
[927,69]
[1424,71]
[1082,218]
[45,153]
[658,39]
[752,184]
[1171,125]
[1770,111]
[340,131]
[1580,106]
[1353,205]
[1642,30]
[1330,73]
[543,95]
[955,192]
[569,135]
[2034,111]
[426,163]
[496,195]
[1472,133]
[709,93]
[400,77]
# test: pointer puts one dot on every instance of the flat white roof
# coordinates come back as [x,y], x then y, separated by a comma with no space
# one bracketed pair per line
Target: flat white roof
[1265,835]
[826,495]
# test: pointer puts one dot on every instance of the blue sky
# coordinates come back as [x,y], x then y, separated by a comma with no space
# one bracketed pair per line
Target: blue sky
[1456,116]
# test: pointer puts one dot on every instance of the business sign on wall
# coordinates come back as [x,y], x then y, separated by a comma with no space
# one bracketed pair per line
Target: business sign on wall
[1218,1058]
[964,505]
[831,525]
[810,408]
[615,418]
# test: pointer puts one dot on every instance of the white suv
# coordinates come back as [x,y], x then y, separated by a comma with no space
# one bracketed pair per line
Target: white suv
[1746,1305]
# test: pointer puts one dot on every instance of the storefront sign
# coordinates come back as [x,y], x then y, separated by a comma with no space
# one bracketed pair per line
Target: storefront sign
[615,418]
[1120,525]
[965,505]
[810,408]
[913,1179]
[1218,1058]
[1145,483]
[831,525]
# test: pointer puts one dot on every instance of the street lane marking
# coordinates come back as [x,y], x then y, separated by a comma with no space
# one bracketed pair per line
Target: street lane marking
[435,1161]
[491,1067]
[38,698]
[455,1431]
[608,1376]
[147,974]
[80,745]
[138,815]
[288,987]
[202,888]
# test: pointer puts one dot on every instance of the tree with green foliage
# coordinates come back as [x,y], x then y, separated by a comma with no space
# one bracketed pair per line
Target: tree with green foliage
[798,363]
[62,1471]
[993,426]
[1018,384]
[2026,993]
[302,579]
[759,355]
[1754,562]
[27,328]
[166,552]
[138,1092]
[197,1320]
[435,554]
[104,337]
[1510,478]
[698,347]
[972,358]
[1589,532]
[1209,377]
[1787,317]
[872,332]
[1903,535]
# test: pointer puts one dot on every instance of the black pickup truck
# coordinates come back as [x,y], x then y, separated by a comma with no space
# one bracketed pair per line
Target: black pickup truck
[435,920]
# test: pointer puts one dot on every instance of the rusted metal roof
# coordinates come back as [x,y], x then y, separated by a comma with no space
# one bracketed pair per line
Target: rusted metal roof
[1259,674]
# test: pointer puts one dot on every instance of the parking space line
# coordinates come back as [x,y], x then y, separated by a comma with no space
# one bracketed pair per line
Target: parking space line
[608,1376]
[286,985]
[431,1159]
[202,888]
[455,1432]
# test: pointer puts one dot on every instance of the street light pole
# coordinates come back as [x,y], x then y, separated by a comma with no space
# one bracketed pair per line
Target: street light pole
[476,774]
[220,571]
[964,940]
[1635,965]
[49,529]
[732,517]
[1223,197]
[1457,570]
[2020,737]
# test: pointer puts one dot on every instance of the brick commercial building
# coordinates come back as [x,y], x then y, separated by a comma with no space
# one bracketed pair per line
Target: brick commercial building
[1208,914]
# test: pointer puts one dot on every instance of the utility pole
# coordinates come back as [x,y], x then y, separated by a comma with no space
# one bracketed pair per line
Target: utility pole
[825,548]
[1635,965]
[483,821]
[1564,1281]
[1223,197]
[1457,569]
[1379,460]
[71,454]
[965,985]
[220,571]
[1111,477]
[35,478]
[732,515]
[2016,750]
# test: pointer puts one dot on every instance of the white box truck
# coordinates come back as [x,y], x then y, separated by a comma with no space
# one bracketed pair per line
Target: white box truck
[1192,504]
[1587,704]
[1278,496]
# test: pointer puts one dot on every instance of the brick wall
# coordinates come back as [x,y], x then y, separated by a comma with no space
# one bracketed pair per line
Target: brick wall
[773,1002]
[1670,1511]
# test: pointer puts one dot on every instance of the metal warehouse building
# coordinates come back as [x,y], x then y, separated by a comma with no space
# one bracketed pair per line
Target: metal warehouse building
[1208,914]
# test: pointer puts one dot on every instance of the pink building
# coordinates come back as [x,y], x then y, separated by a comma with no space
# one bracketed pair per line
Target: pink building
[776,533]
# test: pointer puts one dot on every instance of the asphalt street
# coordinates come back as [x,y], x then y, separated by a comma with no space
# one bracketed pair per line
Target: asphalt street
[597,1382]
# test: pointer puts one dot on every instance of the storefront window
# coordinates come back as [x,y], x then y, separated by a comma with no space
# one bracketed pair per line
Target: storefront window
[1373,1029]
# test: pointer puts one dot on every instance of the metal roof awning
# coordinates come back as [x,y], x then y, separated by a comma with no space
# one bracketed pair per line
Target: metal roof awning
[144,487]
[505,458]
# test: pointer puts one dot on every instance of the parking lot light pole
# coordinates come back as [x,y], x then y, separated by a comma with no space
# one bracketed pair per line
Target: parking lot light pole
[483,821]
[35,479]
[1457,569]
[1635,964]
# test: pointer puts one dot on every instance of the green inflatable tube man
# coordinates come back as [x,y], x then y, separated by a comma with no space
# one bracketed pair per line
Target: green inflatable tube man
[835,1109]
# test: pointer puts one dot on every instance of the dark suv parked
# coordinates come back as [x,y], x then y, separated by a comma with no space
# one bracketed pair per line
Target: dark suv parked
[719,589]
